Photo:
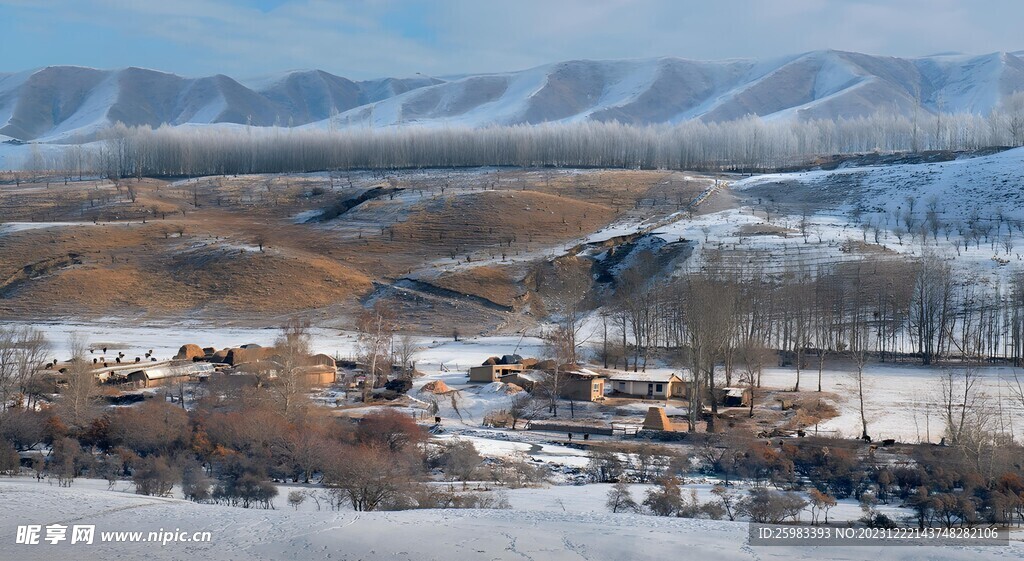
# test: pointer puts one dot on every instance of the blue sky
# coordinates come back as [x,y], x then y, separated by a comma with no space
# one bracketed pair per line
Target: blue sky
[374,38]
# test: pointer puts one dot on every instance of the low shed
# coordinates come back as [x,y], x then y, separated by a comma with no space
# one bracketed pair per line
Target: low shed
[168,373]
[736,396]
[319,375]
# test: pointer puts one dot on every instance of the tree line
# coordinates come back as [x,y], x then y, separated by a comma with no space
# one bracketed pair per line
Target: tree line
[895,309]
[726,322]
[749,143]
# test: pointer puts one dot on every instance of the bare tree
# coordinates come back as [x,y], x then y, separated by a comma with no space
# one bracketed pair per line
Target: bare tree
[800,316]
[369,477]
[560,347]
[821,503]
[406,350]
[33,348]
[459,459]
[968,414]
[620,499]
[260,240]
[827,316]
[78,406]
[8,366]
[708,307]
[521,408]
[930,305]
[1013,108]
[748,142]
[22,353]
[568,286]
[754,356]
[729,499]
[860,356]
[292,383]
[376,327]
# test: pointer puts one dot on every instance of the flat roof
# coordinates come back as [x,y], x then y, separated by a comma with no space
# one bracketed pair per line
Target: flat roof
[662,377]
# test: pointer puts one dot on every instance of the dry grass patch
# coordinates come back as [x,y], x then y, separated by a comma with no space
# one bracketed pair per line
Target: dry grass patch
[493,218]
[268,282]
[617,189]
[764,230]
[116,290]
[494,283]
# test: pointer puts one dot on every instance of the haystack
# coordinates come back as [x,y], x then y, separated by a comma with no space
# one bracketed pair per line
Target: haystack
[436,387]
[544,365]
[189,352]
[512,389]
[657,420]
[220,357]
[249,353]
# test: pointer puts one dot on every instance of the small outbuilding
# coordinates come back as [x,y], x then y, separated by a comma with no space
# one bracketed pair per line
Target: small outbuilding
[319,374]
[322,359]
[160,373]
[735,396]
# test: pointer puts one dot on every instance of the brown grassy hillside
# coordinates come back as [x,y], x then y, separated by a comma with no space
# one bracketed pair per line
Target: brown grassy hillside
[173,249]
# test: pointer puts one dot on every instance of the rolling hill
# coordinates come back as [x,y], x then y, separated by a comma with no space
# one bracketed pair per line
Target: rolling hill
[64,103]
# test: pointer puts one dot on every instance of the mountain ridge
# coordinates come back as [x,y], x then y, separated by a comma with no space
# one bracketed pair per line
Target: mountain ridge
[73,103]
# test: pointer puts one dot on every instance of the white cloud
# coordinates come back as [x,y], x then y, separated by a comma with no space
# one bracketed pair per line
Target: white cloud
[370,38]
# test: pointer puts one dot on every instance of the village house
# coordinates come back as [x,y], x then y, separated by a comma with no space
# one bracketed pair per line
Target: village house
[647,385]
[577,385]
[268,371]
[583,385]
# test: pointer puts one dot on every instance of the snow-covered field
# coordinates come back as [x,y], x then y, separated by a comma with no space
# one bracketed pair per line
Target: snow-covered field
[901,401]
[558,523]
[971,209]
[991,183]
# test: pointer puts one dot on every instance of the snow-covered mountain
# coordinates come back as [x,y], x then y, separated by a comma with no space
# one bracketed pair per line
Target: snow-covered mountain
[62,102]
